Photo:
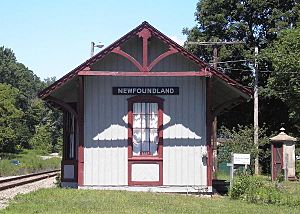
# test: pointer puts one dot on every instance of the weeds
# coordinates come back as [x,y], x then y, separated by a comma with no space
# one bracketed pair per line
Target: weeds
[30,162]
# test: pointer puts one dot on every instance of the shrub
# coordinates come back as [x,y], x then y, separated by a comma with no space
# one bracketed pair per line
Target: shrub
[244,184]
[58,180]
[298,168]
[259,190]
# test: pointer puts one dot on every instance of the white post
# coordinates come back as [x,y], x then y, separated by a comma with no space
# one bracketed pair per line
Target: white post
[231,165]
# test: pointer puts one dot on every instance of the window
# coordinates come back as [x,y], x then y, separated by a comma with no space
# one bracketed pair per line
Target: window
[70,123]
[145,128]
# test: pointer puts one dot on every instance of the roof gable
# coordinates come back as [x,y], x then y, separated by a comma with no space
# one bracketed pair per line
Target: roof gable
[145,31]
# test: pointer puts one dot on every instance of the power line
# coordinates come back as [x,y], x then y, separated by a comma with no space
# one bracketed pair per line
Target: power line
[237,69]
[242,60]
[216,43]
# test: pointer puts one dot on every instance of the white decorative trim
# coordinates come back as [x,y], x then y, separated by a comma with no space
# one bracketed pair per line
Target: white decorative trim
[175,189]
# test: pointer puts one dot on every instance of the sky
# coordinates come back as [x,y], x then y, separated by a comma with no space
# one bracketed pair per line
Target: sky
[52,37]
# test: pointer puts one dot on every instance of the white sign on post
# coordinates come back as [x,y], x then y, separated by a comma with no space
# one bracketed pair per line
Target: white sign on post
[242,159]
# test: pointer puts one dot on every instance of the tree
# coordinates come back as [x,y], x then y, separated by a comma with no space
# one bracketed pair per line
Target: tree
[10,118]
[240,140]
[21,78]
[20,87]
[255,22]
[41,141]
[284,81]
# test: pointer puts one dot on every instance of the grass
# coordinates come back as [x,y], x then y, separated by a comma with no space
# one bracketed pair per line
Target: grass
[30,161]
[58,200]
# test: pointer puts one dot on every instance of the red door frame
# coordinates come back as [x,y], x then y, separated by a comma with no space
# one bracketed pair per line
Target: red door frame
[145,159]
[66,148]
[276,147]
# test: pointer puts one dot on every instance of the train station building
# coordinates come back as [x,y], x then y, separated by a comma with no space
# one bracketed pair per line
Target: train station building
[138,116]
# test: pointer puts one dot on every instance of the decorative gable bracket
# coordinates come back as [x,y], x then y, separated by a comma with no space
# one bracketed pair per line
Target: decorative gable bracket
[145,34]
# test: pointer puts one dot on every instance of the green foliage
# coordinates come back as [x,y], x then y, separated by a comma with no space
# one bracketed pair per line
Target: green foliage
[284,81]
[242,184]
[41,140]
[17,75]
[240,140]
[257,23]
[259,190]
[298,168]
[10,118]
[22,114]
[58,180]
[30,162]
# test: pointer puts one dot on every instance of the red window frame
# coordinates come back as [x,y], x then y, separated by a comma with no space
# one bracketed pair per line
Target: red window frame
[145,99]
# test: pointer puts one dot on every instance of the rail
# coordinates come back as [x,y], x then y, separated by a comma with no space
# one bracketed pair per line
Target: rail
[26,179]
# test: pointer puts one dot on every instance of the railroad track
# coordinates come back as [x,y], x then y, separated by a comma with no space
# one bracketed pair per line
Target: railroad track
[26,179]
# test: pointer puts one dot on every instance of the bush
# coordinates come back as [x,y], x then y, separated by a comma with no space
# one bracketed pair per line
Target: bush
[259,190]
[244,184]
[298,168]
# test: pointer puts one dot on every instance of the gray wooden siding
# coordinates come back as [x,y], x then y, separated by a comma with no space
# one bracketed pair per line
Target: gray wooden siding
[134,47]
[105,161]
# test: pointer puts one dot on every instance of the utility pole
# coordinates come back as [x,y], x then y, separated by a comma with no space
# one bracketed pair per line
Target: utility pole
[256,164]
[215,121]
[215,46]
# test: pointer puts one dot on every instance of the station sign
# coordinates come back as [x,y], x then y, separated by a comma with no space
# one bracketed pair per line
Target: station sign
[145,90]
[243,159]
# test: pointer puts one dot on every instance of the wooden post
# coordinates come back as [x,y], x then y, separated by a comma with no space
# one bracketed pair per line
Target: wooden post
[256,164]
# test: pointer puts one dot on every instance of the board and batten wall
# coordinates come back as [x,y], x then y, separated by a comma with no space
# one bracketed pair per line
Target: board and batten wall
[105,130]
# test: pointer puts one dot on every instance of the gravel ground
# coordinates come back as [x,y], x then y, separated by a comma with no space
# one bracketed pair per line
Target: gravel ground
[6,195]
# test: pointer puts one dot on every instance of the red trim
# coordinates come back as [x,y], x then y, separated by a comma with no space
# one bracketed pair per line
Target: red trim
[274,162]
[154,32]
[65,136]
[155,74]
[145,158]
[66,145]
[63,105]
[145,183]
[209,163]
[161,57]
[118,50]
[81,131]
[130,119]
[145,34]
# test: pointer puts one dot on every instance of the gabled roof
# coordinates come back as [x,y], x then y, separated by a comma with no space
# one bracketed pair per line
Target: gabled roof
[145,25]
[283,137]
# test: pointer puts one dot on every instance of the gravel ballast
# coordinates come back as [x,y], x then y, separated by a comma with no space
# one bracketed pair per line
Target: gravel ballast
[9,194]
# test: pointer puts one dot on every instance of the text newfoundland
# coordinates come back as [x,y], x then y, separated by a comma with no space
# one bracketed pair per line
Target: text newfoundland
[145,90]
